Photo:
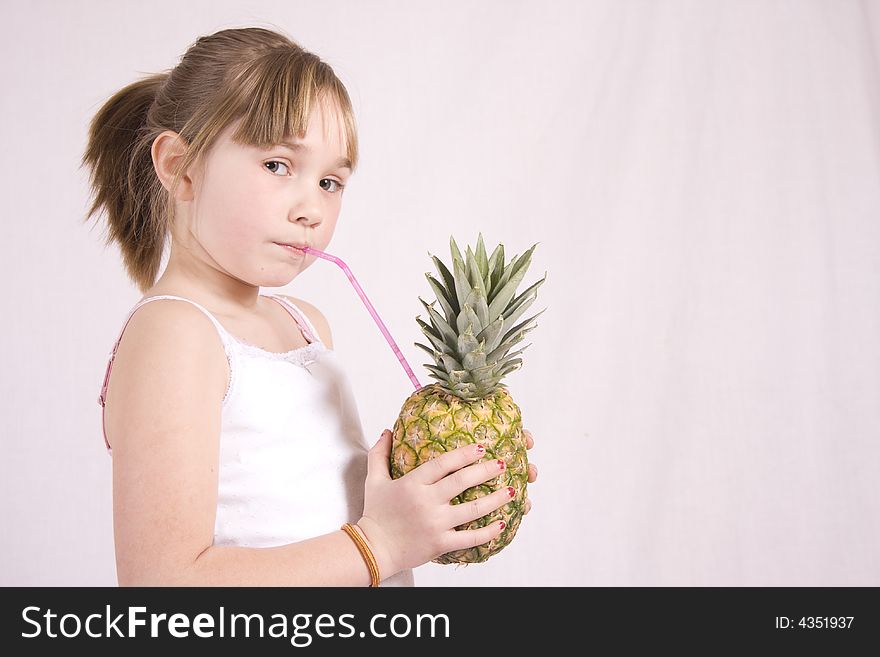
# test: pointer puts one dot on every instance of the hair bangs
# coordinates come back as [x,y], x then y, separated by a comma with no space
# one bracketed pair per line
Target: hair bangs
[283,89]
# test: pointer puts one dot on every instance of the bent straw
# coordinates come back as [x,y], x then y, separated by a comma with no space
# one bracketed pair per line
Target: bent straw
[376,318]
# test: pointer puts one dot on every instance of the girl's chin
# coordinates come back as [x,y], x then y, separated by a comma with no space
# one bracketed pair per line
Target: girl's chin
[285,276]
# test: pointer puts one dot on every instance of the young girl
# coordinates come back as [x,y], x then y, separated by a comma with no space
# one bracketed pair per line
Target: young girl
[241,460]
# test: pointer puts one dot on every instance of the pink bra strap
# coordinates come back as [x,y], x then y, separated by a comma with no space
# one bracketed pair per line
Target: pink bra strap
[103,396]
[301,320]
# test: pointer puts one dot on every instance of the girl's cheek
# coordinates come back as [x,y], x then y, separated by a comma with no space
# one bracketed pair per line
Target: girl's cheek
[237,230]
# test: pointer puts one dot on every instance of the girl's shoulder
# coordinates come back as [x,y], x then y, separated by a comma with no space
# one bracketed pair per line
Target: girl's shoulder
[163,319]
[167,332]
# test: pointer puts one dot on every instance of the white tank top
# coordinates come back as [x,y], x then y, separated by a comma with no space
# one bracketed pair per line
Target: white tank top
[293,457]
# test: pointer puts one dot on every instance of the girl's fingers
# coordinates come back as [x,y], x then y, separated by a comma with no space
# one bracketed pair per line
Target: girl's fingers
[377,458]
[460,480]
[467,511]
[528,507]
[434,470]
[468,538]
[530,440]
[533,472]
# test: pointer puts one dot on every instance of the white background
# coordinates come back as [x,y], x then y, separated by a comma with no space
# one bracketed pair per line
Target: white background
[703,179]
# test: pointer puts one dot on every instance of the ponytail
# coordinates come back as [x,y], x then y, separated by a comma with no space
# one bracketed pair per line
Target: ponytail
[124,181]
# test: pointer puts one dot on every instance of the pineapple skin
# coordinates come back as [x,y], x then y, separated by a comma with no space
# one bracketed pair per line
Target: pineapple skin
[433,421]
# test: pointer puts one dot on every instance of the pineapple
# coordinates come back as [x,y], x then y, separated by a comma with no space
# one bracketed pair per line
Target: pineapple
[468,403]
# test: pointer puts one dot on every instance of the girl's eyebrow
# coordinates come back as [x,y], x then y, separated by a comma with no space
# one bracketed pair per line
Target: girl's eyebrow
[342,162]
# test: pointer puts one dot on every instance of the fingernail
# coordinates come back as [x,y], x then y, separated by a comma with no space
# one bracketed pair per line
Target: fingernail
[511,491]
[480,449]
[502,525]
[500,463]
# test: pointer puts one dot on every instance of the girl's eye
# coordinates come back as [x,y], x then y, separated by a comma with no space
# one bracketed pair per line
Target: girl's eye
[338,184]
[276,162]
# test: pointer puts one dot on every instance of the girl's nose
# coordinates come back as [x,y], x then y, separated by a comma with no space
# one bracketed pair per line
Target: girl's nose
[307,200]
[310,220]
[307,212]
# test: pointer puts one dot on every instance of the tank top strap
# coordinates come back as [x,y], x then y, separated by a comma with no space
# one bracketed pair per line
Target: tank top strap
[103,396]
[298,316]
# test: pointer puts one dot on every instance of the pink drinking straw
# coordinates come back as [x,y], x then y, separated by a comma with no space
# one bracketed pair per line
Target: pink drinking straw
[376,318]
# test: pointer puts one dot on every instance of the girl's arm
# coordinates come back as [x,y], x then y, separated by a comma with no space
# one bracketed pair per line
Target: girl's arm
[328,560]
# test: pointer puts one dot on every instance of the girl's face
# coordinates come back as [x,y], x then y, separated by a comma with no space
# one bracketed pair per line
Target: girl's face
[247,201]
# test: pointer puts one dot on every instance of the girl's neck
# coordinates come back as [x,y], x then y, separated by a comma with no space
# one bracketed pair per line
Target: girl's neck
[219,302]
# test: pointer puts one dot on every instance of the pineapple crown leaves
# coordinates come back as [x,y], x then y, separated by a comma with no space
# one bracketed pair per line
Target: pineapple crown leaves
[471,340]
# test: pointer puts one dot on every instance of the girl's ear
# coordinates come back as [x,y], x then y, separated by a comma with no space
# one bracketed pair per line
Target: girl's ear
[168,151]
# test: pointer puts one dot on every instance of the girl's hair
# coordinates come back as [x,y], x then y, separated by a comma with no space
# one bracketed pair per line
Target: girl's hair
[253,74]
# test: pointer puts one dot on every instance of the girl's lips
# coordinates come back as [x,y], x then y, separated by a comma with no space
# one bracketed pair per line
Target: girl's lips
[292,249]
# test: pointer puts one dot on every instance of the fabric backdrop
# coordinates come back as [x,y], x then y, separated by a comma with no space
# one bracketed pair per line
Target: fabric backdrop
[702,178]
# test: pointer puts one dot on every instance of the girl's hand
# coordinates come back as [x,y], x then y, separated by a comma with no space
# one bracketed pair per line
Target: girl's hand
[409,521]
[533,469]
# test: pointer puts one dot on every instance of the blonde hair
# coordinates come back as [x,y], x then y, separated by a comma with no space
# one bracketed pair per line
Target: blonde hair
[253,74]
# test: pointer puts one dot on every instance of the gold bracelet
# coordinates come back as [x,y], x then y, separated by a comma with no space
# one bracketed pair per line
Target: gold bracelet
[365,551]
